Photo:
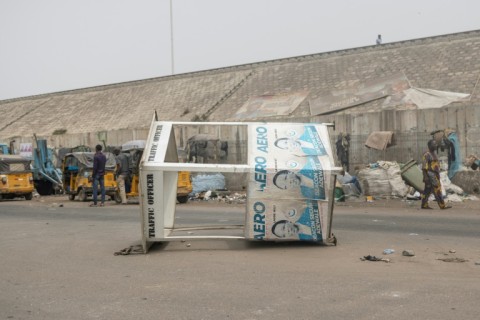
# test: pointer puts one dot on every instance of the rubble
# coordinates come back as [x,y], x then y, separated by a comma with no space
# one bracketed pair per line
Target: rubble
[220,196]
[452,259]
[373,258]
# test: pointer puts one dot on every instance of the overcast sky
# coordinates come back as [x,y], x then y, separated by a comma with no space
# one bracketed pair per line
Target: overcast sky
[56,45]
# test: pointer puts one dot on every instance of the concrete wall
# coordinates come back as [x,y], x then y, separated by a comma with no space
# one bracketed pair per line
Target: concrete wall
[124,111]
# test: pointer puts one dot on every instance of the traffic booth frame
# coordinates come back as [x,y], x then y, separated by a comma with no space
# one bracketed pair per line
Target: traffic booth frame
[272,213]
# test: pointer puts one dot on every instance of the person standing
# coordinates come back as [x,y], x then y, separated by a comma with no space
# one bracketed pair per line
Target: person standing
[99,161]
[431,177]
[122,172]
[379,39]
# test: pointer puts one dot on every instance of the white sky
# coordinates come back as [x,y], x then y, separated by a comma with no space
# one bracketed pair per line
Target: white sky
[56,45]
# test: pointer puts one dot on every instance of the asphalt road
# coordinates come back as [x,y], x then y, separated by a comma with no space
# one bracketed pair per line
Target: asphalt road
[58,263]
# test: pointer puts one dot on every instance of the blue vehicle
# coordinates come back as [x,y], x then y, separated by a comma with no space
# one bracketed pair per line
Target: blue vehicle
[46,177]
[4,149]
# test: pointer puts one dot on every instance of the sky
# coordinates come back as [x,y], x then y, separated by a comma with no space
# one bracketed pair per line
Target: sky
[56,45]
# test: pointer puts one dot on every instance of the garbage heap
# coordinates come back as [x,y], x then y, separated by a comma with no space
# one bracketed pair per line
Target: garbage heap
[389,179]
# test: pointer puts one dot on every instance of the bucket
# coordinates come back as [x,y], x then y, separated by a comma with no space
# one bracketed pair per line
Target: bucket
[339,195]
[413,176]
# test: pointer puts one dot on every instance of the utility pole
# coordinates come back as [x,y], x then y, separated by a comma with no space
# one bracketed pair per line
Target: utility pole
[171,36]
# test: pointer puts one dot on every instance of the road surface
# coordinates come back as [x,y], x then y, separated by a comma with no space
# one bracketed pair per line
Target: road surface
[58,262]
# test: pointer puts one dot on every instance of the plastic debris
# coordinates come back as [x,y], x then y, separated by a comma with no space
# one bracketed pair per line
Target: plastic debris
[206,182]
[135,249]
[207,195]
[221,196]
[388,251]
[373,258]
[452,259]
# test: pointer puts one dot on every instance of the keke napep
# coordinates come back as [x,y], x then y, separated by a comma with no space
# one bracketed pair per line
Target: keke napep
[134,150]
[77,169]
[16,179]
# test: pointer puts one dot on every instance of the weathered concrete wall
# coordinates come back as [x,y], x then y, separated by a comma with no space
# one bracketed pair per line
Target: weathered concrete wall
[114,138]
[124,111]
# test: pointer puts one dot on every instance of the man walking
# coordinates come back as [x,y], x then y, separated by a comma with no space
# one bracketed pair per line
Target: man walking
[431,177]
[99,161]
[122,172]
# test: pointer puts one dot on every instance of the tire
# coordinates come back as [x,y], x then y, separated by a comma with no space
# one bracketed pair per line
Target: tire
[44,188]
[29,196]
[82,195]
[182,199]
[71,197]
[118,198]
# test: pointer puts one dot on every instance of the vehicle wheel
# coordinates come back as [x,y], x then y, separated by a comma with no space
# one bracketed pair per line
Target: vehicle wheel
[118,198]
[182,199]
[44,188]
[82,195]
[71,197]
[29,196]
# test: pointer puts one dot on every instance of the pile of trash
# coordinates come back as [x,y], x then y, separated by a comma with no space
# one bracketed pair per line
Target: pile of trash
[205,182]
[207,187]
[349,185]
[220,196]
[450,191]
[383,179]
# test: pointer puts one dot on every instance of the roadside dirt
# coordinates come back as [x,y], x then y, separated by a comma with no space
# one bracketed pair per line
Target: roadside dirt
[467,206]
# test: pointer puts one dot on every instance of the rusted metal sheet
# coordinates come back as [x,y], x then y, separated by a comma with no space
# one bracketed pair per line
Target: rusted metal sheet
[270,105]
[361,93]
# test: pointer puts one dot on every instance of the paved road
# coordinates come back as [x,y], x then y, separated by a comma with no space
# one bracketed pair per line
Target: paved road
[58,263]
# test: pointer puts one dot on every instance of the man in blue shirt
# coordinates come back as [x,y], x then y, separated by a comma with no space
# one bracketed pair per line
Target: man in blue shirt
[99,161]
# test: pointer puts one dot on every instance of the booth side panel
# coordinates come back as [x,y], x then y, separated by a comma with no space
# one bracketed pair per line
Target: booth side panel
[331,203]
[169,191]
[152,205]
[289,188]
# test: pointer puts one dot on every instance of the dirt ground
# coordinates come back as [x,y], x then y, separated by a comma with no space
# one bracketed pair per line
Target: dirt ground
[360,202]
[61,265]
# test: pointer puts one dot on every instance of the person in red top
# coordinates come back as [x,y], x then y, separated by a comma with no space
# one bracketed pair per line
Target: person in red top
[431,177]
[99,161]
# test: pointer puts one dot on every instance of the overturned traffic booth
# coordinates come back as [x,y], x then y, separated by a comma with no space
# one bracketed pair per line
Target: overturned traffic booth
[290,176]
